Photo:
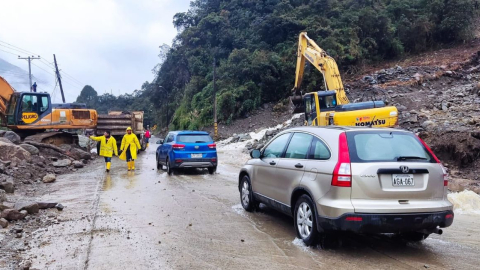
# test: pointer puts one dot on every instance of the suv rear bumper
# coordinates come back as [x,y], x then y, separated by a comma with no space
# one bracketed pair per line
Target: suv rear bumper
[386,223]
[194,163]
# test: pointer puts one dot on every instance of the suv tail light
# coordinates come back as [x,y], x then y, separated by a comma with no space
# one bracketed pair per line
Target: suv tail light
[342,174]
[445,173]
[212,146]
[178,146]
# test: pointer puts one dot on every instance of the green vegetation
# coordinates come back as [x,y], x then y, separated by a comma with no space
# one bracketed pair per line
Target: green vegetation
[255,43]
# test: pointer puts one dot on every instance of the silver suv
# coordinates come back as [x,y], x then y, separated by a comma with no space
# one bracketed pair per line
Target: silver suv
[337,179]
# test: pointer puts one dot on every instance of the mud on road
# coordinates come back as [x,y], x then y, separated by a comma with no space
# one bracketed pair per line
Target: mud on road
[192,220]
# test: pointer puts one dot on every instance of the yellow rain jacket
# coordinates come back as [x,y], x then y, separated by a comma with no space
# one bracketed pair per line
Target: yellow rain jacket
[132,141]
[107,149]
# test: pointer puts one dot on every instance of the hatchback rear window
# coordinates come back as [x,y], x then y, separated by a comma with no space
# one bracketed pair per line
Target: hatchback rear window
[194,138]
[388,146]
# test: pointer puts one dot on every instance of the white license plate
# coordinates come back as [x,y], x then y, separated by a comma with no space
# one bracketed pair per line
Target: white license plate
[403,180]
[196,155]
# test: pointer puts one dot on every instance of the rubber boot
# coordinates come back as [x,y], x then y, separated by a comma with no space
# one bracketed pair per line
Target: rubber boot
[147,144]
[129,163]
[108,166]
[133,165]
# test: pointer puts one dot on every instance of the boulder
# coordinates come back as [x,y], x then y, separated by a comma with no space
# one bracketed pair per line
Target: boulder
[5,140]
[62,163]
[30,207]
[3,197]
[3,223]
[2,132]
[13,214]
[428,125]
[80,154]
[245,137]
[78,164]
[13,137]
[30,148]
[49,178]
[11,152]
[7,186]
[46,205]
[65,147]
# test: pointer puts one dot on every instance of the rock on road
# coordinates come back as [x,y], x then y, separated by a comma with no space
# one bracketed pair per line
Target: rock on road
[192,220]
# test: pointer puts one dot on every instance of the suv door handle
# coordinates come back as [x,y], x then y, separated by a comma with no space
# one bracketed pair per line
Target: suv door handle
[273,163]
[299,165]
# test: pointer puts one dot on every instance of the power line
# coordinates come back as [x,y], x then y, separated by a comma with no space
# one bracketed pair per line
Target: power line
[25,51]
[9,52]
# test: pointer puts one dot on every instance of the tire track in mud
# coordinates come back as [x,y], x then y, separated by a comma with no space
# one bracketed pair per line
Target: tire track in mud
[95,207]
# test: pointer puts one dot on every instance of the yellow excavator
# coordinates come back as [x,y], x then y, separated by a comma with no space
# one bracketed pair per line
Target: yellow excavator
[332,107]
[31,114]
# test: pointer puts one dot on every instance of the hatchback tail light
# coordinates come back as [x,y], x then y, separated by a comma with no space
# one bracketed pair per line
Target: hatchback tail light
[445,173]
[212,146]
[342,174]
[178,146]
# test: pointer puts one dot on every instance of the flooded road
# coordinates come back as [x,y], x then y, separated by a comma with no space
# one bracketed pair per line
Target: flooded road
[192,220]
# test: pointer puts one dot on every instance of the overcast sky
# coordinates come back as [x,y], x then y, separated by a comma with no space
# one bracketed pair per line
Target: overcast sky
[111,45]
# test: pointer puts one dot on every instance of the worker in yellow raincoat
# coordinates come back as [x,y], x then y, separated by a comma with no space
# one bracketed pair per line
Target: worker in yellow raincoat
[108,147]
[129,147]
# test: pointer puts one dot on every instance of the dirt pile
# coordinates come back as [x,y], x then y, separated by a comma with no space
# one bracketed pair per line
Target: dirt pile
[25,168]
[440,103]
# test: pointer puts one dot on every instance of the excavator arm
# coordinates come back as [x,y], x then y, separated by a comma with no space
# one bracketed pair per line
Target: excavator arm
[6,92]
[309,50]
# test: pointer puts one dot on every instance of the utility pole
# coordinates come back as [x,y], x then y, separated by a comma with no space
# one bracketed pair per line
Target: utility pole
[29,59]
[215,99]
[59,78]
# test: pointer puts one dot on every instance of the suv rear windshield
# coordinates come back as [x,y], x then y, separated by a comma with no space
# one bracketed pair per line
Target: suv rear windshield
[194,138]
[386,146]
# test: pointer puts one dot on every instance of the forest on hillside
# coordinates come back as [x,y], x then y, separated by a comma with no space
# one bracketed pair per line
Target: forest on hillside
[254,44]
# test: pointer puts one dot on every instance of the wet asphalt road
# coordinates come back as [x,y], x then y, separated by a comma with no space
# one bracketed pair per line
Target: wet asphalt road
[192,220]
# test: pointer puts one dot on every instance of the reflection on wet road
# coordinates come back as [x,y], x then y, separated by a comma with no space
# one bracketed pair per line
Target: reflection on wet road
[192,220]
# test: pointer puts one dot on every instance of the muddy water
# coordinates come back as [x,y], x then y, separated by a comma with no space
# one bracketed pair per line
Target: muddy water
[192,220]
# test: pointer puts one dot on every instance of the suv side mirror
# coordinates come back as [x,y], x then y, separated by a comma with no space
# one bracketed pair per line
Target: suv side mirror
[160,141]
[255,153]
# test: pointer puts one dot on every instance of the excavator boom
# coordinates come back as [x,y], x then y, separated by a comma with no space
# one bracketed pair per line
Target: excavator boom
[308,50]
[6,92]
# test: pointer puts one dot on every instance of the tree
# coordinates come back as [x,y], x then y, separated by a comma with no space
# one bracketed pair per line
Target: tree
[89,96]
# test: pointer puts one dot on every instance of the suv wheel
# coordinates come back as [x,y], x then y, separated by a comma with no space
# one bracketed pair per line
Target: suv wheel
[212,170]
[159,166]
[306,220]
[414,236]
[169,168]
[246,195]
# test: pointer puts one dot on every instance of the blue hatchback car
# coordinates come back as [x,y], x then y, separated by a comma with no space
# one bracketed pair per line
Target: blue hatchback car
[187,149]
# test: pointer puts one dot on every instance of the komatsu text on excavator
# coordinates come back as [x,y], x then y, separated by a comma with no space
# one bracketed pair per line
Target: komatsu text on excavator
[332,107]
[31,113]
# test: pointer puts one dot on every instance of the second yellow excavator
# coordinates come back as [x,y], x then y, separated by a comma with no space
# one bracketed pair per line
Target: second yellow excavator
[332,107]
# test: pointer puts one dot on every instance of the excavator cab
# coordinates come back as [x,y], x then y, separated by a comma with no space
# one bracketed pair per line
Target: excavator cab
[27,108]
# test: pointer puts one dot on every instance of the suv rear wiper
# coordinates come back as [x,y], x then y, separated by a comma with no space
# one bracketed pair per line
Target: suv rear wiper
[410,157]
[200,142]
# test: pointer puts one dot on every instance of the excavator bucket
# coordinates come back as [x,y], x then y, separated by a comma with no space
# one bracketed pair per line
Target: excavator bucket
[297,103]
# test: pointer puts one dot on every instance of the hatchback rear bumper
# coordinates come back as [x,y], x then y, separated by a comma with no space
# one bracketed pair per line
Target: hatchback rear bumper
[386,223]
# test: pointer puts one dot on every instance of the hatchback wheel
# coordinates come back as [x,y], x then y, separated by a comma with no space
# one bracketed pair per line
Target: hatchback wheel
[246,195]
[306,220]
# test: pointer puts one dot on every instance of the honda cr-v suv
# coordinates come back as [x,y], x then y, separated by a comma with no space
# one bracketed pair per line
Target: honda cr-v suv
[363,180]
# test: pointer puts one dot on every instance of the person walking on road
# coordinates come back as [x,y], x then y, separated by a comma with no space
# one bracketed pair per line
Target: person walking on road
[147,136]
[108,147]
[129,148]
